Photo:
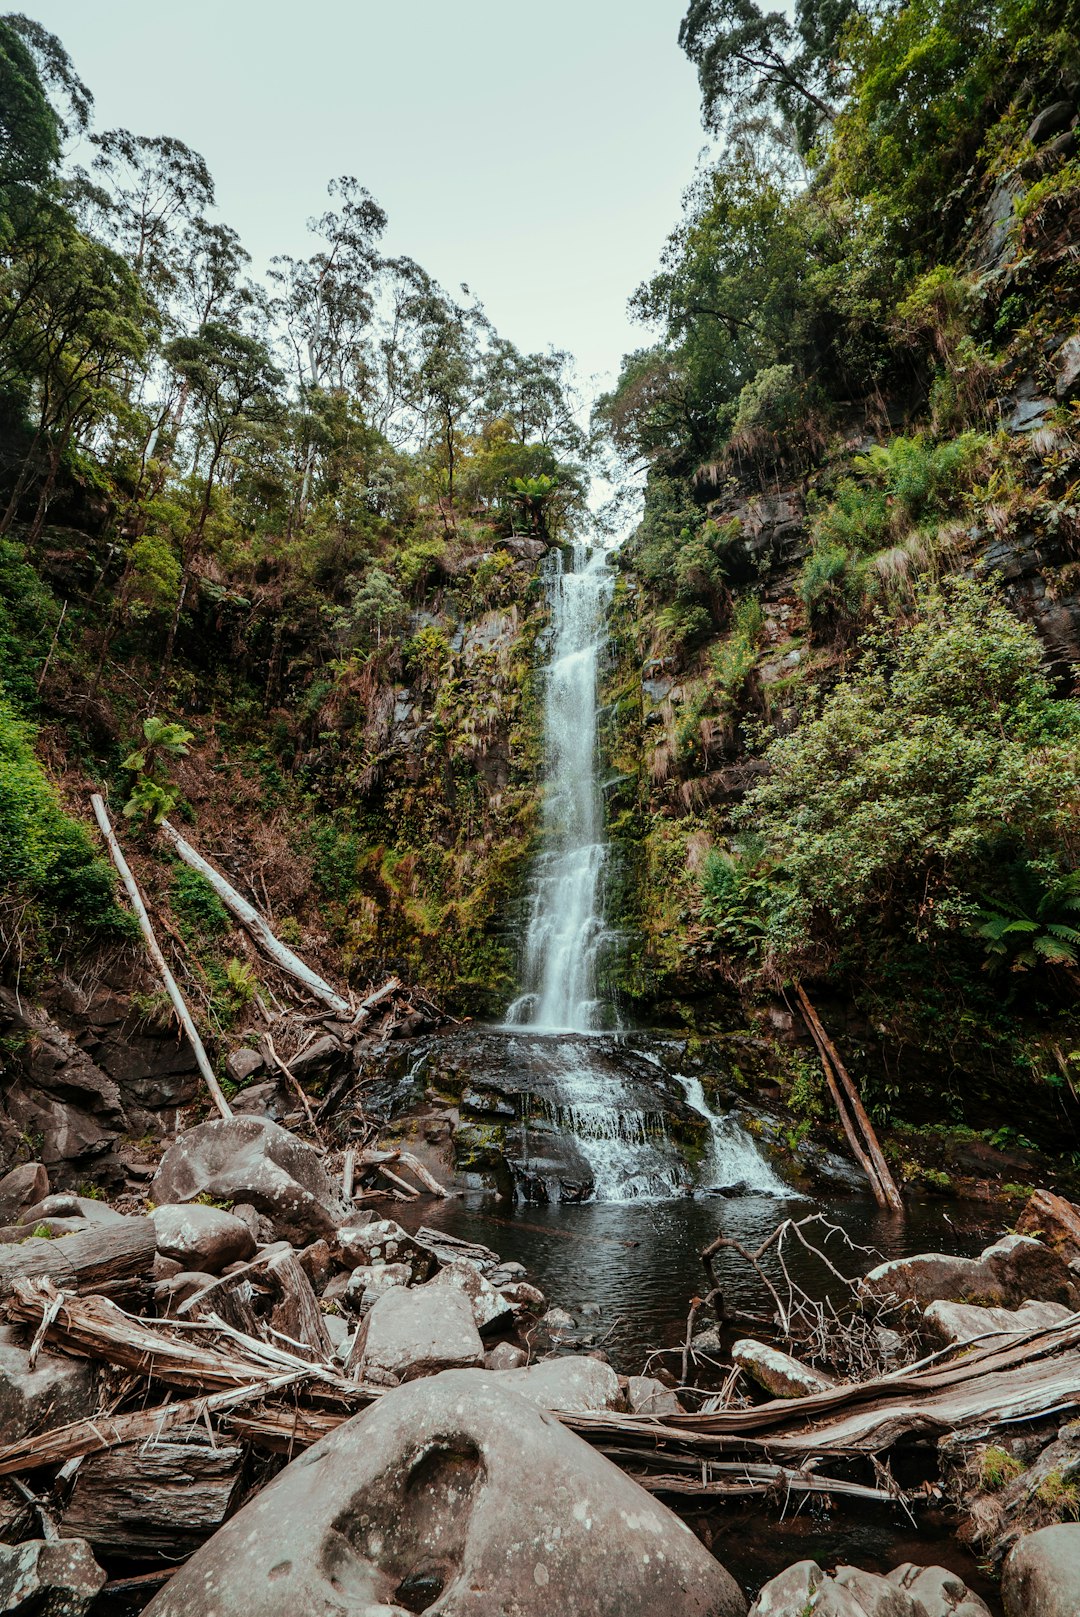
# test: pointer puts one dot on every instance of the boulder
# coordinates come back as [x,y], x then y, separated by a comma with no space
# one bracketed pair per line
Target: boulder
[525,1300]
[57,1390]
[1050,121]
[1049,1218]
[366,1285]
[250,1159]
[64,1205]
[964,1322]
[1042,1574]
[505,1356]
[573,1384]
[48,1578]
[22,1187]
[936,1592]
[909,1591]
[491,1310]
[1012,1271]
[647,1396]
[417,1332]
[778,1373]
[243,1064]
[201,1238]
[362,1240]
[452,1495]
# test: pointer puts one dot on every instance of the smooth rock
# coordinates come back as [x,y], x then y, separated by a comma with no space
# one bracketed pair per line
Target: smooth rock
[48,1578]
[177,1288]
[1042,1574]
[557,1321]
[505,1356]
[1067,367]
[572,1383]
[525,1300]
[1012,1271]
[57,1390]
[647,1396]
[199,1237]
[243,1064]
[1049,1218]
[804,1589]
[452,1495]
[366,1284]
[491,1310]
[250,1159]
[936,1592]
[778,1373]
[1050,121]
[964,1322]
[65,1205]
[22,1187]
[417,1332]
[365,1240]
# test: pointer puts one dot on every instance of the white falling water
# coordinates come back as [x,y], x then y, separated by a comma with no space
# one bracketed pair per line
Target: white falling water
[627,1150]
[732,1157]
[566,927]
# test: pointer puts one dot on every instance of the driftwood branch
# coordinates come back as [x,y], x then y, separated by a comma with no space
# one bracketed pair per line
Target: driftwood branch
[881,1179]
[158,958]
[253,923]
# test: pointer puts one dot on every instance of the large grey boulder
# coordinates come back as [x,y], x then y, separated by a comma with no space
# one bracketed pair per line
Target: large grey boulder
[417,1332]
[779,1373]
[452,1495]
[43,1578]
[964,1322]
[1042,1574]
[21,1188]
[201,1238]
[250,1159]
[572,1383]
[907,1591]
[937,1592]
[1014,1270]
[57,1390]
[491,1310]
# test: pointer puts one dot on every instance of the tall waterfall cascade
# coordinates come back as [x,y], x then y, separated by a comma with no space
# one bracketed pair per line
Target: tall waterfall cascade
[566,929]
[627,1149]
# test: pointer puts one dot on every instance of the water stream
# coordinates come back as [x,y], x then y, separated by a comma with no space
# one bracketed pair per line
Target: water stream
[626,1147]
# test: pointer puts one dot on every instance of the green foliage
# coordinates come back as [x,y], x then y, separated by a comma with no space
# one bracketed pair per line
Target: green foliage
[50,874]
[942,758]
[1034,920]
[152,798]
[200,914]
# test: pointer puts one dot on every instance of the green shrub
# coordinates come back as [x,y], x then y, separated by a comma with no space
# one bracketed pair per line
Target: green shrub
[49,868]
[199,912]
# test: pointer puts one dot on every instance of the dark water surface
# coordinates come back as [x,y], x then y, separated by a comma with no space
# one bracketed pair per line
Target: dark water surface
[639,1262]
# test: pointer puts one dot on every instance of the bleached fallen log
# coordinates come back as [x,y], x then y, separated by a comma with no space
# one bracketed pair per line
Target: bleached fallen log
[253,923]
[366,1006]
[881,1180]
[158,958]
[102,1431]
[417,1169]
[107,1257]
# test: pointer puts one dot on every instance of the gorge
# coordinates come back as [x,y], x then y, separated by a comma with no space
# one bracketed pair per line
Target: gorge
[621,831]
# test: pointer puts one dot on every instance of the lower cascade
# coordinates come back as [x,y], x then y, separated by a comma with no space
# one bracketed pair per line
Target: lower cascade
[625,1149]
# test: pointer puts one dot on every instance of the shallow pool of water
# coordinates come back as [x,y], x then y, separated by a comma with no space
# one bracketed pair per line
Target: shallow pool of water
[639,1261]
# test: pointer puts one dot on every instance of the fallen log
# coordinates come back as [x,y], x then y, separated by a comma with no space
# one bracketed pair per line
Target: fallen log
[296,1314]
[167,978]
[881,1180]
[108,1257]
[102,1431]
[256,927]
[155,1498]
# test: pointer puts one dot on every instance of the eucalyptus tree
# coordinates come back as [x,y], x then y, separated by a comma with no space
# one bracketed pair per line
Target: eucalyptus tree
[748,58]
[324,306]
[235,386]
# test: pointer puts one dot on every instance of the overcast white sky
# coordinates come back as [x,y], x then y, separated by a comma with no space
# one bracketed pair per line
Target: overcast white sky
[537,152]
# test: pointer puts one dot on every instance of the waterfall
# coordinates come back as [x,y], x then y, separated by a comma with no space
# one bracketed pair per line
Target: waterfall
[566,928]
[591,1098]
[732,1157]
